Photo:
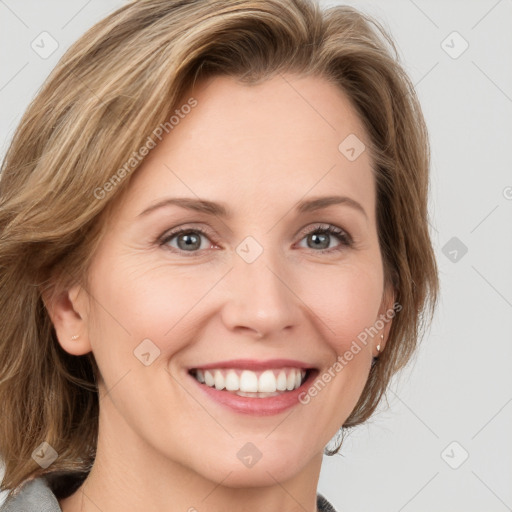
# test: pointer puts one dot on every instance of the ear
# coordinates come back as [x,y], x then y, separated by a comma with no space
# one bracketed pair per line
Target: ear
[387,312]
[68,312]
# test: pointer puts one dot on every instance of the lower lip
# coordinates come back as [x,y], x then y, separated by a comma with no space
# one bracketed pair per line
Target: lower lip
[257,406]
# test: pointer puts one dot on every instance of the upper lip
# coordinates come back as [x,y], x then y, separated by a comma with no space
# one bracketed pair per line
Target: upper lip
[254,364]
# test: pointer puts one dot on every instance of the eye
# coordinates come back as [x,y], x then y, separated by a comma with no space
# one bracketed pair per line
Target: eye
[319,238]
[187,239]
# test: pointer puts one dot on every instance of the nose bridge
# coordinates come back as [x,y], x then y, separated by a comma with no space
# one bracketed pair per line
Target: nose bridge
[260,298]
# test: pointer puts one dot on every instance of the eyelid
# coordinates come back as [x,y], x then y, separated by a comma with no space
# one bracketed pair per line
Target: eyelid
[203,229]
[326,227]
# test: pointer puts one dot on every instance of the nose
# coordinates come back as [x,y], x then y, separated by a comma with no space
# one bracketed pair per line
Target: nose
[261,300]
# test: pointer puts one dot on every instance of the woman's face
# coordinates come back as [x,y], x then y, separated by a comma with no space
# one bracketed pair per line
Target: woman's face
[253,284]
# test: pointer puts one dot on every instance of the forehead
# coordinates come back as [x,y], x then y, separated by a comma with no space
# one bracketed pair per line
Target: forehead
[274,141]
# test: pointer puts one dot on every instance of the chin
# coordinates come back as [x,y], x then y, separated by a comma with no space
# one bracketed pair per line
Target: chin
[249,466]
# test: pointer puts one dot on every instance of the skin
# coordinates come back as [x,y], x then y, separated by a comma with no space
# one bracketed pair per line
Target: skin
[163,445]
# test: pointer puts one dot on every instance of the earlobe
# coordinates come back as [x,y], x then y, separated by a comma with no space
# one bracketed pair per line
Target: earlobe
[67,312]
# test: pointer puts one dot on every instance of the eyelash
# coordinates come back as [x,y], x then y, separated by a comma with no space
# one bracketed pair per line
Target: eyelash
[340,234]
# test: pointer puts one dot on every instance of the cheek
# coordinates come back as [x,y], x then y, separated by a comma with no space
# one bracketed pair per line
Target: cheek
[346,299]
[150,301]
[347,302]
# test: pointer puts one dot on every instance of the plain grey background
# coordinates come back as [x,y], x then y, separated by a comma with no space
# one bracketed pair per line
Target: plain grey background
[444,442]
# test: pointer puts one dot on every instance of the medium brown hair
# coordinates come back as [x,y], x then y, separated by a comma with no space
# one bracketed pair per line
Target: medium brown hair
[109,91]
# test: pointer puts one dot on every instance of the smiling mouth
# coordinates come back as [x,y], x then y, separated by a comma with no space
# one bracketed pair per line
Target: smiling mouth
[255,384]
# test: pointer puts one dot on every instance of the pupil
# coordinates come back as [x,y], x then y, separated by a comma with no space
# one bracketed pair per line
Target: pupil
[190,242]
[320,240]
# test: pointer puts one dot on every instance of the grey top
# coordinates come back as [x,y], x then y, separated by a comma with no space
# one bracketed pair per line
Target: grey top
[37,495]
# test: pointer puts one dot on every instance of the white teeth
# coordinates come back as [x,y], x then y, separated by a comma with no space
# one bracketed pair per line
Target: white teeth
[232,381]
[290,381]
[266,383]
[281,381]
[208,379]
[219,380]
[248,381]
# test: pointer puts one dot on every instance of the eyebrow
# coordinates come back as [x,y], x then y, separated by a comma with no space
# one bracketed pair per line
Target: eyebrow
[212,208]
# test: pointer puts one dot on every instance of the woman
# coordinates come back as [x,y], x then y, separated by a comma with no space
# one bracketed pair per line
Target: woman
[215,254]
